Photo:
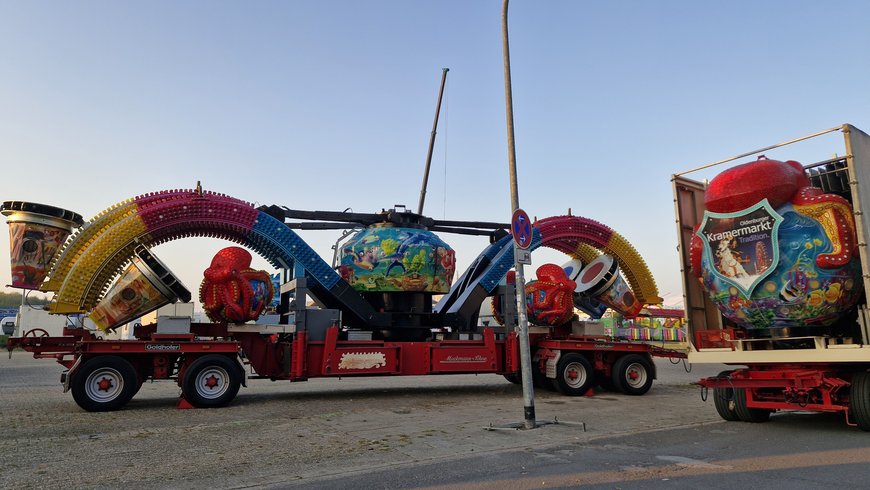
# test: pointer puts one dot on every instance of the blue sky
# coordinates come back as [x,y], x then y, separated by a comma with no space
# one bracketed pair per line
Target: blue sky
[329,105]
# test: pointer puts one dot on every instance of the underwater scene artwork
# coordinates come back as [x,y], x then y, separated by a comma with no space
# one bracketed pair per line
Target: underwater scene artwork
[397,259]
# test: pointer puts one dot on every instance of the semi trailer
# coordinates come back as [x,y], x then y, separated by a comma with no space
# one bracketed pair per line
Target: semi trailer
[372,314]
[775,271]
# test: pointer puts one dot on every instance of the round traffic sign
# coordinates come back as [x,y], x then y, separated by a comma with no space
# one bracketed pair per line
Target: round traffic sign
[521,228]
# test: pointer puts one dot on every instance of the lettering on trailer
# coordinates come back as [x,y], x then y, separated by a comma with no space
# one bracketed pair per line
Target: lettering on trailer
[162,347]
[478,359]
[362,360]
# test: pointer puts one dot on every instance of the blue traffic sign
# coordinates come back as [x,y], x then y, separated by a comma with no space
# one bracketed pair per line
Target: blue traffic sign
[521,228]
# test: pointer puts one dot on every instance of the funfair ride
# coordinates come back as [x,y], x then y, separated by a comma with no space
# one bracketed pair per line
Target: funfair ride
[374,313]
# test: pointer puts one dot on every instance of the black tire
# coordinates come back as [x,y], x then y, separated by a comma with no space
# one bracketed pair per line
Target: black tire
[138,387]
[633,374]
[211,381]
[723,400]
[859,399]
[574,374]
[540,379]
[104,384]
[746,414]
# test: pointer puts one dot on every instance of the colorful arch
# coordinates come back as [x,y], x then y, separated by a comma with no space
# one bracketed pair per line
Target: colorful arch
[97,253]
[90,259]
[582,238]
[574,235]
[585,252]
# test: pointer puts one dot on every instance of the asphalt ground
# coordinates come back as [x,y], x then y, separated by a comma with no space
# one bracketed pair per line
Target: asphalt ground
[279,434]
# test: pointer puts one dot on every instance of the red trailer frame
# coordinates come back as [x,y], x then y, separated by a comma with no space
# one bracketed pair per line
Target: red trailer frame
[209,363]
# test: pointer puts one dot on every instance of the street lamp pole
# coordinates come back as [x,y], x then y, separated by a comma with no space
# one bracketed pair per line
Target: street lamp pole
[522,317]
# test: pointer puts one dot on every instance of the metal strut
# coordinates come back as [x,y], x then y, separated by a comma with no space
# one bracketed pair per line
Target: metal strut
[432,142]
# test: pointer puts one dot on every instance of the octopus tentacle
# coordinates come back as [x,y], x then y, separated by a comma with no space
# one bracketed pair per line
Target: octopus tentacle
[231,294]
[835,215]
[556,304]
[227,290]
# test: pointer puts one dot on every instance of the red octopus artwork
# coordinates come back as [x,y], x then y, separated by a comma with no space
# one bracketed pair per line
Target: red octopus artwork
[550,299]
[233,292]
[782,183]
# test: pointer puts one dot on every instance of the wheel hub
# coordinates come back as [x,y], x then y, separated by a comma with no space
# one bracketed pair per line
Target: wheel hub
[212,382]
[635,375]
[104,384]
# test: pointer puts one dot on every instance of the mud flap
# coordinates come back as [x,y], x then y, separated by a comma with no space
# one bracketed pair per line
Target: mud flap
[66,376]
[552,361]
[242,370]
[553,357]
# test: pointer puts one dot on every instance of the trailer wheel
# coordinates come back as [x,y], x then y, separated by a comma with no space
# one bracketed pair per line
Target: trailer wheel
[574,374]
[859,399]
[723,400]
[745,413]
[139,384]
[104,383]
[540,379]
[211,381]
[632,374]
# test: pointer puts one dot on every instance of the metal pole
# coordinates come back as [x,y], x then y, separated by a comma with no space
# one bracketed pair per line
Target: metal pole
[432,142]
[522,317]
[766,148]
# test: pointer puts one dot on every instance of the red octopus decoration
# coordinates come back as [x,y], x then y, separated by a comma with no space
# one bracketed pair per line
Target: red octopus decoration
[782,182]
[233,292]
[550,299]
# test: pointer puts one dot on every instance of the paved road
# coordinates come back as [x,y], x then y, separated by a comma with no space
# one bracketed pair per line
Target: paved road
[394,433]
[793,451]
